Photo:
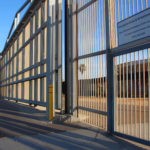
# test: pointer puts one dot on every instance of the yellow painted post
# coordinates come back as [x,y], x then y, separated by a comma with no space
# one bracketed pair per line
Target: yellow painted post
[50,102]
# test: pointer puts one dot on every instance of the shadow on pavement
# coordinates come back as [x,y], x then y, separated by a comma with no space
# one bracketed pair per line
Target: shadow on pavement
[24,125]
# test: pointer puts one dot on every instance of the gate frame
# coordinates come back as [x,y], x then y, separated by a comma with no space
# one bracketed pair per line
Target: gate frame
[111,52]
[126,49]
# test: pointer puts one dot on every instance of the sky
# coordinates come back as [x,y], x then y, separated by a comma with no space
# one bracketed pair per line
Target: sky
[8,9]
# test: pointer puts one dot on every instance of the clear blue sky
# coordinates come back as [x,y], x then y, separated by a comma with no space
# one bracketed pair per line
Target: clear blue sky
[8,9]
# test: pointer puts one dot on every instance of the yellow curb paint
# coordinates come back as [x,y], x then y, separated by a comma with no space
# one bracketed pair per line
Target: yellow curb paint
[50,102]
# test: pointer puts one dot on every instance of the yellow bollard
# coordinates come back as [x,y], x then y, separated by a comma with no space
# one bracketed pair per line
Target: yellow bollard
[50,102]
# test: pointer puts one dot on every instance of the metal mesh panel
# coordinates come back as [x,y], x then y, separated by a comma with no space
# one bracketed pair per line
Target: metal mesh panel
[93,91]
[91,28]
[24,57]
[92,73]
[132,102]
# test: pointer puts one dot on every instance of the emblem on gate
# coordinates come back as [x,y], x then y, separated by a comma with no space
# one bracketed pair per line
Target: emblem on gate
[82,68]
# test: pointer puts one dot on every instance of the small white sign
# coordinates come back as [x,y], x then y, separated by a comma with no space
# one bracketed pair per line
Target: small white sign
[134,28]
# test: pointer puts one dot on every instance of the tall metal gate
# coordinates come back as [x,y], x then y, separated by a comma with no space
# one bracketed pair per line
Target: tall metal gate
[92,72]
[86,48]
[131,80]
[132,92]
[112,81]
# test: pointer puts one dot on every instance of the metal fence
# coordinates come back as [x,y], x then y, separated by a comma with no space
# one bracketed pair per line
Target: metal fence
[106,85]
[132,94]
[112,97]
[28,64]
[23,62]
[131,81]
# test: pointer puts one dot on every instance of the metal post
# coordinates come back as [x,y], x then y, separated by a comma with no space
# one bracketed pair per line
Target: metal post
[67,58]
[110,43]
[48,81]
[23,63]
[57,105]
[74,67]
[50,62]
[31,60]
[59,67]
[71,52]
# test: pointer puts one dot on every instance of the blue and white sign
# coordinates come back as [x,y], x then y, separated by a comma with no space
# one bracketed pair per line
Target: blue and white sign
[134,28]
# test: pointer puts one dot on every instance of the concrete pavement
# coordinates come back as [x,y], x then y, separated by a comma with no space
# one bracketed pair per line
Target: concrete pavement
[24,128]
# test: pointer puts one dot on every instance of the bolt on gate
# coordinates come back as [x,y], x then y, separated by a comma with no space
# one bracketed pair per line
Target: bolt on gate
[75,64]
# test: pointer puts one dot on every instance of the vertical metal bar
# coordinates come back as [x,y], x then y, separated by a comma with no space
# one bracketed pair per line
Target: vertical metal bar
[127,110]
[148,94]
[135,86]
[74,98]
[79,74]
[13,71]
[60,56]
[88,60]
[85,48]
[102,24]
[68,56]
[99,66]
[109,9]
[95,16]
[118,12]
[17,62]
[83,52]
[102,90]
[23,62]
[6,73]
[123,73]
[49,52]
[102,97]
[129,7]
[90,49]
[121,10]
[87,64]
[139,95]
[131,126]
[141,4]
[105,59]
[133,7]
[120,94]
[9,74]
[42,52]
[96,68]
[53,46]
[137,6]
[57,106]
[125,8]
[36,57]
[130,81]
[144,115]
[31,58]
[116,93]
[4,76]
[146,4]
